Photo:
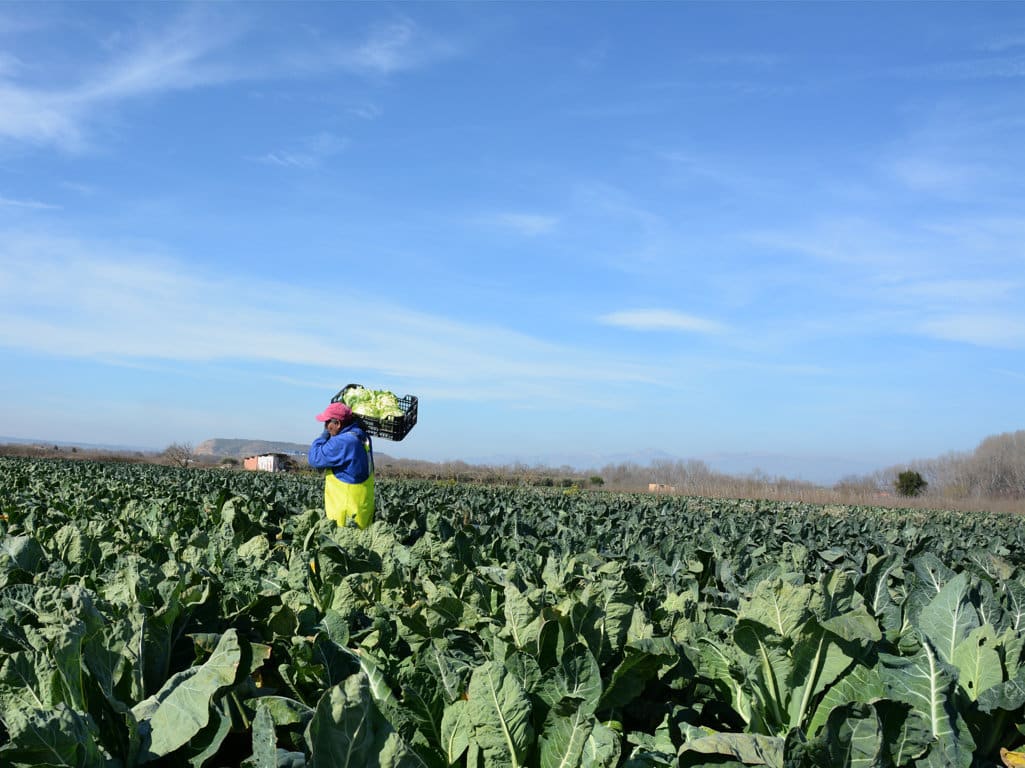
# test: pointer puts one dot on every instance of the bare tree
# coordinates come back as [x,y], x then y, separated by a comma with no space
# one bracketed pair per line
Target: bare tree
[1000,460]
[179,454]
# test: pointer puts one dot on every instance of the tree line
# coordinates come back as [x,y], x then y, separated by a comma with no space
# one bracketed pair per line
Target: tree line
[994,470]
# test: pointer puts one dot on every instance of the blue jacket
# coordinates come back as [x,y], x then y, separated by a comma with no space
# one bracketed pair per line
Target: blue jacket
[344,454]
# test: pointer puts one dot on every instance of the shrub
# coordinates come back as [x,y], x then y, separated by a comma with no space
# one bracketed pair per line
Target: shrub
[910,483]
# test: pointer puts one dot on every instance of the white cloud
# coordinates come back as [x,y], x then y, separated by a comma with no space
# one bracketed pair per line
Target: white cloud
[530,224]
[1011,374]
[199,48]
[79,188]
[742,59]
[963,291]
[309,152]
[179,58]
[998,330]
[994,67]
[1005,42]
[661,320]
[33,204]
[934,175]
[38,117]
[388,49]
[365,111]
[109,302]
[690,168]
[872,251]
[9,64]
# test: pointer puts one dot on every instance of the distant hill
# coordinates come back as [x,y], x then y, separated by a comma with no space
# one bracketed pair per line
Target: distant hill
[239,449]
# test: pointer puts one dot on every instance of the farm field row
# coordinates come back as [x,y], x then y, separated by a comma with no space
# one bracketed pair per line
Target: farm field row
[151,615]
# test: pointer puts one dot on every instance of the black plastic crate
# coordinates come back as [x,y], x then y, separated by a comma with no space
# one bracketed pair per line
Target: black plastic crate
[390,427]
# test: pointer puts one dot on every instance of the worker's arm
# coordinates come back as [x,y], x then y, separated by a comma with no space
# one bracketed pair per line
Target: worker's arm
[327,451]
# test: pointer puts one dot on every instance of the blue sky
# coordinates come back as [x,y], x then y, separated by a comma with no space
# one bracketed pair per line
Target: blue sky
[756,234]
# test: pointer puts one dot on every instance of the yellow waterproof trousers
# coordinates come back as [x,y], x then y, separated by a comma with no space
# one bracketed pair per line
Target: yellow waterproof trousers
[349,501]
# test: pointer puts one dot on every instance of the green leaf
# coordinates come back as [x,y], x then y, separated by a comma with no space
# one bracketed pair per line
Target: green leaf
[773,667]
[949,617]
[264,740]
[348,731]
[499,715]
[20,553]
[932,572]
[609,611]
[522,618]
[778,604]
[208,741]
[20,686]
[642,659]
[566,732]
[978,662]
[336,627]
[52,737]
[181,708]
[602,748]
[926,683]
[748,748]
[818,660]
[862,685]
[854,737]
[577,678]
[855,625]
[1015,604]
[716,662]
[878,600]
[906,733]
[285,711]
[1009,695]
[456,730]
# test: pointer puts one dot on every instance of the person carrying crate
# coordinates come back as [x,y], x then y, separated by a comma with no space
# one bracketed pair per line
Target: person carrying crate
[344,450]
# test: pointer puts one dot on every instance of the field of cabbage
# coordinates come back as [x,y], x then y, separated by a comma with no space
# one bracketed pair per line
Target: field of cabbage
[171,617]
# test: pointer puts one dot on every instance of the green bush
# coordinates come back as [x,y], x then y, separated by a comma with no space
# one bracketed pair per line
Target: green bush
[910,483]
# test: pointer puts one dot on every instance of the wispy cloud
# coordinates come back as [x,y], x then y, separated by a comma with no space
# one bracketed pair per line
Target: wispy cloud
[101,301]
[745,59]
[201,47]
[530,224]
[9,64]
[661,320]
[1011,374]
[939,175]
[981,68]
[859,242]
[179,58]
[365,111]
[32,204]
[998,330]
[956,279]
[1004,43]
[79,188]
[964,290]
[690,167]
[603,201]
[391,47]
[308,153]
[38,117]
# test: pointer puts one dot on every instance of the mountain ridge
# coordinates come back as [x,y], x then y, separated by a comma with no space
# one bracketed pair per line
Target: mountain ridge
[240,448]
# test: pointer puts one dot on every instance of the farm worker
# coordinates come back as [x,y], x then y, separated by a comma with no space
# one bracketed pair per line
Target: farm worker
[346,454]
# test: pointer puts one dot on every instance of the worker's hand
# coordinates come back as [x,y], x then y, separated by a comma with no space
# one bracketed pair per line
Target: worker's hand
[333,426]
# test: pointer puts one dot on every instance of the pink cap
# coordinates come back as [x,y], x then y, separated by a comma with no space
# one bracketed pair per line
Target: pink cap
[339,411]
